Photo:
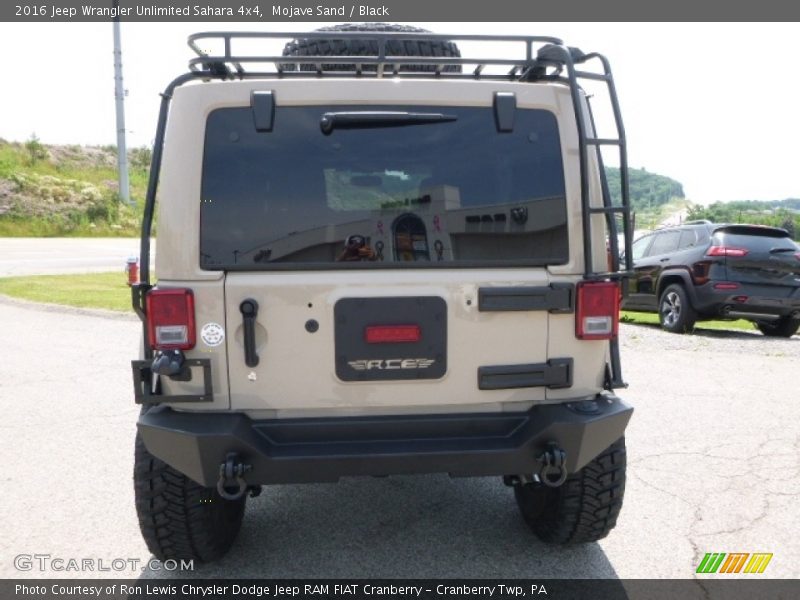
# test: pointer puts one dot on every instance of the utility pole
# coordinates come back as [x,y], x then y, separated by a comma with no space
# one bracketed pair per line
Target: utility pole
[119,98]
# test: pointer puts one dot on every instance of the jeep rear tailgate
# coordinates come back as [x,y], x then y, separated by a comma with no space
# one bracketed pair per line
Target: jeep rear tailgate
[399,341]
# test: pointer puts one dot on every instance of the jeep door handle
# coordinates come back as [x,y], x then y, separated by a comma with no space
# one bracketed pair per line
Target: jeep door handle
[664,259]
[249,310]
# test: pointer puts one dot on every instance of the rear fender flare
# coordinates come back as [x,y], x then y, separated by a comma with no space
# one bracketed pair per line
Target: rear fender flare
[677,275]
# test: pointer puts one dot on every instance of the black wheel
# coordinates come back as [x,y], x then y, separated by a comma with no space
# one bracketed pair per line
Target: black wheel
[585,508]
[334,47]
[178,517]
[675,311]
[785,327]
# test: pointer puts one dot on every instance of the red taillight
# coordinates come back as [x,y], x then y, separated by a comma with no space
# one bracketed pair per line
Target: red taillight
[392,334]
[597,312]
[726,251]
[726,286]
[170,319]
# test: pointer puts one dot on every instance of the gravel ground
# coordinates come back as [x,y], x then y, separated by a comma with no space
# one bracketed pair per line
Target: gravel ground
[633,337]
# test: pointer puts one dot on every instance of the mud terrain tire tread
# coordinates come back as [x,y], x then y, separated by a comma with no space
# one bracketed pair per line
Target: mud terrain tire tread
[317,47]
[179,518]
[585,508]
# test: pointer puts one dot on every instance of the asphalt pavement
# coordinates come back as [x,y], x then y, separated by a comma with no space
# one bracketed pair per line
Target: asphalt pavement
[37,256]
[712,447]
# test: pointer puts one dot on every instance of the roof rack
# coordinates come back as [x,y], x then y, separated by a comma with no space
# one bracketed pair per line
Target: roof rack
[525,63]
[683,223]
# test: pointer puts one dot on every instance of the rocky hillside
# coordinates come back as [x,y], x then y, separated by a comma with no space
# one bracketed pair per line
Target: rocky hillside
[66,190]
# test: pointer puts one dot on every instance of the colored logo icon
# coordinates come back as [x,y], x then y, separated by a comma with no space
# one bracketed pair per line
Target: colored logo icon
[734,562]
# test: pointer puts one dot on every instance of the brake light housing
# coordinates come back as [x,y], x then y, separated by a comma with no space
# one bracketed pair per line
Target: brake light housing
[597,310]
[726,251]
[170,319]
[392,334]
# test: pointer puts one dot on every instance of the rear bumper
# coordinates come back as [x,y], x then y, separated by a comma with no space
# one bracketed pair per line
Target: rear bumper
[317,450]
[747,301]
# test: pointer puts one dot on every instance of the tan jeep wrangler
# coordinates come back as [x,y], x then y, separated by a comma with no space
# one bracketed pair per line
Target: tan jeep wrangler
[378,257]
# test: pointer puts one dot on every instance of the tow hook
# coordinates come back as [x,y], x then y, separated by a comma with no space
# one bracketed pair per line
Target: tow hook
[168,363]
[554,466]
[231,476]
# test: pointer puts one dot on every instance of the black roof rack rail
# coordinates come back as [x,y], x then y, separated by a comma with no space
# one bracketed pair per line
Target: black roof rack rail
[683,223]
[226,60]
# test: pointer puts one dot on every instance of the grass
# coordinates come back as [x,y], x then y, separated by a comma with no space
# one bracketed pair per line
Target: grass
[81,227]
[69,192]
[85,290]
[13,159]
[640,318]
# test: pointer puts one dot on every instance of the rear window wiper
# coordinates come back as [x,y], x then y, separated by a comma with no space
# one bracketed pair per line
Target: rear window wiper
[369,119]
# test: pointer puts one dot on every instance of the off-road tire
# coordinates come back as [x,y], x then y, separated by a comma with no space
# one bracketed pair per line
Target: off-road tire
[585,508]
[675,311]
[334,47]
[181,519]
[785,327]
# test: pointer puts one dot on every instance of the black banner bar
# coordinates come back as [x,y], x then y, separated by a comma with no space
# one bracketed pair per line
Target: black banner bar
[705,587]
[255,11]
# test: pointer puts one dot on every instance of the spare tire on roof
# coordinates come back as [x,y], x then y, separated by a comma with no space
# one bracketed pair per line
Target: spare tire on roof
[363,47]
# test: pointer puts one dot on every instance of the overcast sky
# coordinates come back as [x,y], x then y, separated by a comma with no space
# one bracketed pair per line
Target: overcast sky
[714,106]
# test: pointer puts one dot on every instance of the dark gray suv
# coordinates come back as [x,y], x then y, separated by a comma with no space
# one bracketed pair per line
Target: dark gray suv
[701,270]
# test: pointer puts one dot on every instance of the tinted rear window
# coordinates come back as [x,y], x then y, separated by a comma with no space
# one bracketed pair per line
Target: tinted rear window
[640,246]
[664,243]
[753,242]
[688,239]
[438,194]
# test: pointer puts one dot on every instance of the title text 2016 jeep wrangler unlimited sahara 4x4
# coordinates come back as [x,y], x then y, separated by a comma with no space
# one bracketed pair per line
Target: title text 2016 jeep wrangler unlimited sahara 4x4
[377,257]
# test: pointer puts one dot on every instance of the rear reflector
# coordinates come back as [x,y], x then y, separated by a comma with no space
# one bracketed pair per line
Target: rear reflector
[597,310]
[170,319]
[392,334]
[726,286]
[726,251]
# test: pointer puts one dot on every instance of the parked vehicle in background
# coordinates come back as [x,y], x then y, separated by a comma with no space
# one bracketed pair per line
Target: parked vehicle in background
[701,270]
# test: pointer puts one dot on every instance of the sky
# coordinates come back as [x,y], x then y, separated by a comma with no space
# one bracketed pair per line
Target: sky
[714,106]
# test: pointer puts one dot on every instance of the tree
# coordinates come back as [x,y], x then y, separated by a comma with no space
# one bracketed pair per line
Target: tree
[36,151]
[140,157]
[788,225]
[647,190]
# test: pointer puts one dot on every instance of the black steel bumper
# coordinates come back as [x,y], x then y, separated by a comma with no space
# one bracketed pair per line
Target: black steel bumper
[316,450]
